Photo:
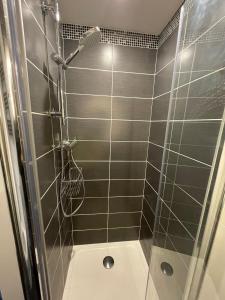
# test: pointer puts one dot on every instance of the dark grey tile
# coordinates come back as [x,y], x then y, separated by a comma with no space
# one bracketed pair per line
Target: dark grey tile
[48,205]
[134,59]
[89,129]
[132,109]
[130,131]
[83,222]
[160,107]
[192,176]
[155,154]
[198,108]
[52,233]
[132,85]
[39,93]
[205,133]
[126,187]
[50,24]
[184,246]
[123,234]
[157,132]
[90,237]
[94,170]
[175,228]
[187,213]
[163,80]
[96,188]
[201,153]
[209,86]
[127,170]
[85,106]
[202,19]
[46,171]
[99,57]
[148,214]
[35,40]
[150,196]
[42,134]
[88,82]
[129,151]
[35,7]
[93,205]
[153,176]
[90,150]
[125,204]
[124,219]
[146,239]
[167,51]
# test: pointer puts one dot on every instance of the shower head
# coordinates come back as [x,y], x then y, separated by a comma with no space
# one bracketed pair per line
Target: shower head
[88,40]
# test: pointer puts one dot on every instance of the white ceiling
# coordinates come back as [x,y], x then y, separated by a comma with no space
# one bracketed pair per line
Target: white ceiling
[146,16]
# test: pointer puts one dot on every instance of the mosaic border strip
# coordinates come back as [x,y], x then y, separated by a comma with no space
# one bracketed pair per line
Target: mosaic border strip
[169,29]
[116,37]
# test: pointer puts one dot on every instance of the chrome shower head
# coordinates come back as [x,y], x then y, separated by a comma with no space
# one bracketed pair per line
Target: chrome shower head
[89,39]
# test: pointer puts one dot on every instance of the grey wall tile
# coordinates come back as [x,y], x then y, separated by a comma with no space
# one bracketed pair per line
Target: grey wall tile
[131,59]
[42,134]
[132,85]
[126,187]
[83,222]
[129,131]
[123,234]
[90,237]
[46,172]
[92,205]
[88,82]
[127,170]
[90,150]
[125,204]
[89,129]
[132,109]
[163,80]
[124,219]
[96,188]
[129,151]
[94,170]
[85,106]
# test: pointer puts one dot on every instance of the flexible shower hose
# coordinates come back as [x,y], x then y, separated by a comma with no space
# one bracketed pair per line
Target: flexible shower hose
[82,179]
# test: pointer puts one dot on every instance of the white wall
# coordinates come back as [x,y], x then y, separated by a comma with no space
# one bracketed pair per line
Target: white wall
[10,283]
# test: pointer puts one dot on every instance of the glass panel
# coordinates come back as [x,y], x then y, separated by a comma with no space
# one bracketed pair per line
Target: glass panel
[192,146]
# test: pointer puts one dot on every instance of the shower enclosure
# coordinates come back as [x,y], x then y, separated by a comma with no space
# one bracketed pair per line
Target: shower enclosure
[112,155]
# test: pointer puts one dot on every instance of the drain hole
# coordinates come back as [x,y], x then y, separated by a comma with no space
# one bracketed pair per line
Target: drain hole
[166,269]
[108,262]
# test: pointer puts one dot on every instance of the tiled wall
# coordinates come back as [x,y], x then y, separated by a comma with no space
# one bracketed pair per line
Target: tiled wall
[159,111]
[40,38]
[197,105]
[109,95]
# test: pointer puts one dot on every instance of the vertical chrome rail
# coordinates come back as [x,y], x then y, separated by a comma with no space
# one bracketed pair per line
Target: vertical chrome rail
[17,153]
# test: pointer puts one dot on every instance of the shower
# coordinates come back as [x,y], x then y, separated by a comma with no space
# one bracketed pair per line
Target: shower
[89,39]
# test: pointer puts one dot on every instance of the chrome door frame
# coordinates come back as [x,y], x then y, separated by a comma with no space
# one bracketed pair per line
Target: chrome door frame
[17,153]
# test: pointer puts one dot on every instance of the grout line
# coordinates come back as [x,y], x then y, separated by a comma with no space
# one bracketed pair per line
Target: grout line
[30,62]
[46,153]
[149,132]
[109,119]
[50,186]
[110,228]
[112,71]
[147,223]
[114,179]
[183,155]
[110,213]
[109,96]
[110,144]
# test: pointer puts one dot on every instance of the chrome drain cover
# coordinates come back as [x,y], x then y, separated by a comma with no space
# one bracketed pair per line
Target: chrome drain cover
[108,262]
[166,269]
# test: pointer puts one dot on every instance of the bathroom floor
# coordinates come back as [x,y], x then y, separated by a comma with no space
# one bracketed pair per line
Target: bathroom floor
[88,279]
